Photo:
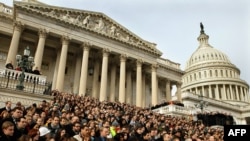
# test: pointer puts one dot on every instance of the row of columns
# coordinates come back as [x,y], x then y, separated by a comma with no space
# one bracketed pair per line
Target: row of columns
[210,74]
[228,92]
[59,73]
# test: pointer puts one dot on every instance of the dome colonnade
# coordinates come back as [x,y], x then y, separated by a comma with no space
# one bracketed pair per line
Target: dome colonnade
[210,73]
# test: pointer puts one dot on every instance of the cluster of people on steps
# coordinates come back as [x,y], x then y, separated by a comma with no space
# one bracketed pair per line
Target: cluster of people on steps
[69,117]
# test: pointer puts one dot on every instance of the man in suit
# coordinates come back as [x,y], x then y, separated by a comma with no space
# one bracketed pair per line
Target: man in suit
[16,114]
[7,132]
[7,107]
[104,132]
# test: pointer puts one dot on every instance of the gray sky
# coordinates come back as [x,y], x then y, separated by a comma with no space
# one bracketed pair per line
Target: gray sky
[174,25]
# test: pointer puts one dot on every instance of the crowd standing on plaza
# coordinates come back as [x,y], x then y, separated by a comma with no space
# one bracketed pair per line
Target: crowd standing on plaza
[70,117]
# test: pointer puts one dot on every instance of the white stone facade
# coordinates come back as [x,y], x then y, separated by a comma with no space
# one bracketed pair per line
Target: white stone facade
[87,53]
[210,75]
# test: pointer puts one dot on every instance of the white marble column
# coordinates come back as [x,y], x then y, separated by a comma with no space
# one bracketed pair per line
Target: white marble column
[62,64]
[168,91]
[139,83]
[217,92]
[77,73]
[210,91]
[56,64]
[231,92]
[95,86]
[246,97]
[112,82]
[40,48]
[143,89]
[241,94]
[103,89]
[178,91]
[154,84]
[11,58]
[129,87]
[123,58]
[224,94]
[237,93]
[84,69]
[203,91]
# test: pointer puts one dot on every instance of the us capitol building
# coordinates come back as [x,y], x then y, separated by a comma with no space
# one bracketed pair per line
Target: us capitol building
[90,54]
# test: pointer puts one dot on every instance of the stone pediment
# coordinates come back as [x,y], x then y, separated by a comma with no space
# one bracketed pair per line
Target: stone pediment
[95,22]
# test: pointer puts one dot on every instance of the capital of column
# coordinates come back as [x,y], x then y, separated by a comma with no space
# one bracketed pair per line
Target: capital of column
[123,57]
[178,84]
[106,52]
[139,62]
[42,33]
[154,67]
[86,46]
[65,39]
[18,26]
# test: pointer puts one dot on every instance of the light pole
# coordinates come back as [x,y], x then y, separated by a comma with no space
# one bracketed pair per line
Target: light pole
[202,104]
[25,62]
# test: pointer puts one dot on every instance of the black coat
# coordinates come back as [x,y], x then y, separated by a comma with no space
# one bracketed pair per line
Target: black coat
[100,139]
[3,137]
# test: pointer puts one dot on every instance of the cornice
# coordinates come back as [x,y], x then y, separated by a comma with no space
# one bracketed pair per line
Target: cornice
[6,18]
[165,67]
[213,81]
[212,65]
[94,22]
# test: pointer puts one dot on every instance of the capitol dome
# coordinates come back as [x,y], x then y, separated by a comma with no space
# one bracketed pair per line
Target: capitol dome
[210,73]
[206,54]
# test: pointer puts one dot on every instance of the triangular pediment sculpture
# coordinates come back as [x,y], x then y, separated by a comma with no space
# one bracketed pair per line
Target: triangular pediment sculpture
[91,21]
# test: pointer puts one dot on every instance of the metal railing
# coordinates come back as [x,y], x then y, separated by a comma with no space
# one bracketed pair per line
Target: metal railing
[32,83]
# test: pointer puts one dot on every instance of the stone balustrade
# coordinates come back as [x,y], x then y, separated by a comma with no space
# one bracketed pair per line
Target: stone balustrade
[14,74]
[168,63]
[173,110]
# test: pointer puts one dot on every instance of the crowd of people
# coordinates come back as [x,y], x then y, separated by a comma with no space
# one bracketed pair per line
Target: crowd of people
[166,103]
[215,118]
[70,117]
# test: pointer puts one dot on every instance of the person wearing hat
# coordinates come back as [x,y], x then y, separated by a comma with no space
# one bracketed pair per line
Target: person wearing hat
[44,133]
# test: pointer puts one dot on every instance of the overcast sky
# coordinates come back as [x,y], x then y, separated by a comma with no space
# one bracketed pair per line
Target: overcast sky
[174,25]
